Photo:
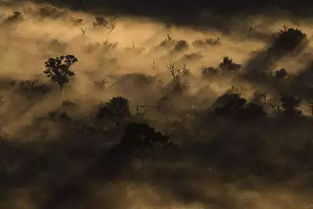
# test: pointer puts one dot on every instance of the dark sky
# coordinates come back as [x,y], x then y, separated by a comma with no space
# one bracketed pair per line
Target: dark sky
[179,8]
[208,13]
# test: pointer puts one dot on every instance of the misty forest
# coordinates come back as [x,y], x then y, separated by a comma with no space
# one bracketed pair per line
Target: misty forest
[156,104]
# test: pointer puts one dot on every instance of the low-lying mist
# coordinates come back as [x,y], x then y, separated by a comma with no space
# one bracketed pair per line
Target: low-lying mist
[119,111]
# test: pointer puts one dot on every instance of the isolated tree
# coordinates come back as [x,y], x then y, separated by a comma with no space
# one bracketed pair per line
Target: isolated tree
[116,110]
[59,69]
[177,73]
[100,84]
[229,66]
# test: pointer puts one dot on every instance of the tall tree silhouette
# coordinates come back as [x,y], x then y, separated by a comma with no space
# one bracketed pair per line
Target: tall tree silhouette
[59,69]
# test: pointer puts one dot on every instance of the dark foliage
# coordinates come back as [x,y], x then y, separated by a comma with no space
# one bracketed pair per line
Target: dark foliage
[139,141]
[288,40]
[116,110]
[229,66]
[234,107]
[58,69]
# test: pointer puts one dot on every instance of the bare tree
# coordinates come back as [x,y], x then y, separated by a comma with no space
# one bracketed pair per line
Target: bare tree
[176,72]
[101,84]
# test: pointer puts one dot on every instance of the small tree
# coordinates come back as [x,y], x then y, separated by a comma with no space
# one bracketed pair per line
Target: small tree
[59,69]
[116,110]
[208,72]
[177,77]
[177,73]
[100,84]
[100,21]
[229,66]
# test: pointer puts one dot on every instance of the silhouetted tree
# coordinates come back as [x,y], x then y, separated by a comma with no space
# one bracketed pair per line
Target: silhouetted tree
[116,110]
[228,65]
[181,45]
[228,104]
[287,40]
[100,84]
[208,72]
[177,73]
[233,106]
[139,141]
[59,69]
[289,104]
